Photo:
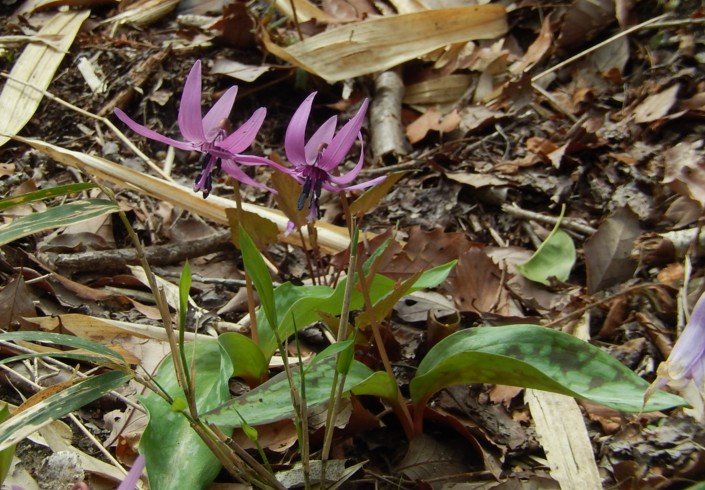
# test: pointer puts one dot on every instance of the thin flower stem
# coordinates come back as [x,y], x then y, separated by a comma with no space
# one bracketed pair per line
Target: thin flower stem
[248,280]
[337,385]
[400,407]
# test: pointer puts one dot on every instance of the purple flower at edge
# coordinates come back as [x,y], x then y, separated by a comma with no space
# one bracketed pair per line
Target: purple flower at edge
[208,135]
[687,359]
[133,476]
[315,161]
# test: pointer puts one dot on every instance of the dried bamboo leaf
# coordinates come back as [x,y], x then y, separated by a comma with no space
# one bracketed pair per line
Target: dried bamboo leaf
[331,238]
[145,12]
[379,44]
[36,66]
[305,10]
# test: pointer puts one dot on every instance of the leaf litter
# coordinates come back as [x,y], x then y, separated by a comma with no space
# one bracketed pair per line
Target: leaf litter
[493,119]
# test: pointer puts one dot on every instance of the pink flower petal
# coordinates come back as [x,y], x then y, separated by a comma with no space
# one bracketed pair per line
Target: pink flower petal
[234,170]
[343,141]
[151,134]
[294,141]
[190,117]
[133,476]
[243,137]
[220,110]
[320,140]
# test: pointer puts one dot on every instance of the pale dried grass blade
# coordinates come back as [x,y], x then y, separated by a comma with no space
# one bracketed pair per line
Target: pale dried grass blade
[36,66]
[381,43]
[560,428]
[144,13]
[305,10]
[331,238]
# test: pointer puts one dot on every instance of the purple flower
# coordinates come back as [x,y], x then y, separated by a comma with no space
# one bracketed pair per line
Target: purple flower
[687,359]
[133,476]
[208,134]
[314,162]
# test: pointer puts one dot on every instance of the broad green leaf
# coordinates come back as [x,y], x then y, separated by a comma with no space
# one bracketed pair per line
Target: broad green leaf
[257,269]
[39,195]
[378,384]
[58,405]
[176,456]
[332,350]
[109,355]
[271,401]
[298,306]
[8,453]
[246,356]
[554,258]
[534,357]
[56,217]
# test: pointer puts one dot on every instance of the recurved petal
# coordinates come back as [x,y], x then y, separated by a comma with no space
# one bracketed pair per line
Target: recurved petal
[320,139]
[340,146]
[190,118]
[688,355]
[294,141]
[234,170]
[220,110]
[243,137]
[151,134]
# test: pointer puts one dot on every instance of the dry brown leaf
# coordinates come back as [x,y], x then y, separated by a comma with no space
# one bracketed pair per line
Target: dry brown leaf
[432,120]
[442,90]
[36,66]
[381,43]
[684,164]
[537,50]
[656,106]
[608,251]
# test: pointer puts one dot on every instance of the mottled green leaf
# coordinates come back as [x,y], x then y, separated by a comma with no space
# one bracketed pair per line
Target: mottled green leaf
[42,194]
[378,384]
[176,456]
[58,405]
[554,258]
[64,215]
[534,357]
[271,401]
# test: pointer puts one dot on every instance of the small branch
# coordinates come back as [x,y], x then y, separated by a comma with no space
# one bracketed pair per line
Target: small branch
[567,223]
[385,117]
[158,255]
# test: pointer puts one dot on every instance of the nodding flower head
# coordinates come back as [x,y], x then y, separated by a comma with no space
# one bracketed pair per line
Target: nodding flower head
[314,162]
[687,359]
[210,134]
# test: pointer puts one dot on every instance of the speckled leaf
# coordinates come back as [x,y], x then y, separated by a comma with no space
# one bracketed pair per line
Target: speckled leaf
[63,215]
[58,405]
[271,401]
[176,456]
[534,357]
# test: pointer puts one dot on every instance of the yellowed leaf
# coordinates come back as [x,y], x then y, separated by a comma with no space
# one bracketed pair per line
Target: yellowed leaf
[384,42]
[36,66]
[305,10]
[442,90]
